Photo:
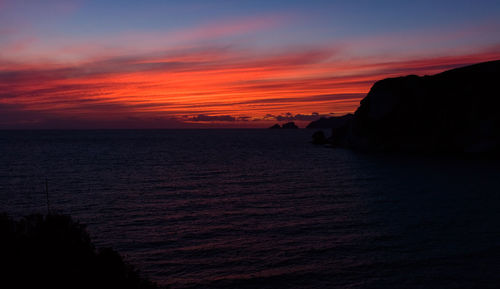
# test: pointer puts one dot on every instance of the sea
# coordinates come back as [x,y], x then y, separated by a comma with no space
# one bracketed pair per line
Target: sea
[256,208]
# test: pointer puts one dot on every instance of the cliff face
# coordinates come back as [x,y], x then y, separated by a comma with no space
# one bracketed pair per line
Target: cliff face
[454,111]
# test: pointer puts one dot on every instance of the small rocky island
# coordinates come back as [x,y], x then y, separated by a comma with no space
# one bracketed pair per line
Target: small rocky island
[288,125]
[453,111]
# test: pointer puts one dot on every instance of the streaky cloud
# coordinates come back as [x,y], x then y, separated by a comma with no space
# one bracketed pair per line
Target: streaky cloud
[203,117]
[210,84]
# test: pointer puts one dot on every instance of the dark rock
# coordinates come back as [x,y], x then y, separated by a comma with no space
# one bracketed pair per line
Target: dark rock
[290,125]
[276,126]
[453,111]
[319,138]
[340,127]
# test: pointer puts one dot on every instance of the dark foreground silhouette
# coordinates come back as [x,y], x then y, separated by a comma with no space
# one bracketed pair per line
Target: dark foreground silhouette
[454,111]
[54,251]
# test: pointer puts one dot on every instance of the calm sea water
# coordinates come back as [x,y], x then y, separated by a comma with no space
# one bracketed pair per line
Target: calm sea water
[264,209]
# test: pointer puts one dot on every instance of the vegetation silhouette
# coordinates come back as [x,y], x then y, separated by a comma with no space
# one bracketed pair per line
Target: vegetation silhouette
[53,251]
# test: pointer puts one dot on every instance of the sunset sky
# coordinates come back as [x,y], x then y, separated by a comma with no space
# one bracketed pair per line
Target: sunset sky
[197,64]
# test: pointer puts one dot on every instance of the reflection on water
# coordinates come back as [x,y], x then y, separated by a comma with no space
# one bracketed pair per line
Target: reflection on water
[264,209]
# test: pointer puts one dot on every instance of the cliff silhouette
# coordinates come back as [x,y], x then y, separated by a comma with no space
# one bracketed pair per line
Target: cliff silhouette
[453,111]
[331,122]
[54,251]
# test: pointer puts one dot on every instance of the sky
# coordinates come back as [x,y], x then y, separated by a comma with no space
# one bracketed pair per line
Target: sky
[222,64]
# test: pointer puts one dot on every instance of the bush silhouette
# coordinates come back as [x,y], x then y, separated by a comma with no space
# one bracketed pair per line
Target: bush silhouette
[54,251]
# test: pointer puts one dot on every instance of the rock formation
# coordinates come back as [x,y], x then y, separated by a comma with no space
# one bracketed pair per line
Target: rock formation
[288,125]
[453,111]
[319,138]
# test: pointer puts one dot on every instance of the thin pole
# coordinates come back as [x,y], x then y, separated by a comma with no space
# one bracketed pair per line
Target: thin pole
[47,194]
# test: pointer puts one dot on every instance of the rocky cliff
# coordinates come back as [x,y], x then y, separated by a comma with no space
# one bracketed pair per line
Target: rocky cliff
[453,111]
[331,122]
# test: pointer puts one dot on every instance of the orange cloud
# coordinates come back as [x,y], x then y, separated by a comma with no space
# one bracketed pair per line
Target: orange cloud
[200,86]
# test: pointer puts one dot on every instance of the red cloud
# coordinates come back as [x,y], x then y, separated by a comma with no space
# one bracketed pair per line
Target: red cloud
[212,84]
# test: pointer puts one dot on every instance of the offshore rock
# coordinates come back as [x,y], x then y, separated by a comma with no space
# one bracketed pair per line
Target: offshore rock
[319,138]
[290,125]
